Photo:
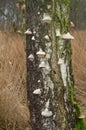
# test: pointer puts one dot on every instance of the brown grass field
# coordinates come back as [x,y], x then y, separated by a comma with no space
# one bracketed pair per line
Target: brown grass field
[14,112]
[79,67]
[13,97]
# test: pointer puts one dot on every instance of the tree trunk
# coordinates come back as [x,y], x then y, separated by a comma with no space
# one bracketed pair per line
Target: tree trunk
[52,108]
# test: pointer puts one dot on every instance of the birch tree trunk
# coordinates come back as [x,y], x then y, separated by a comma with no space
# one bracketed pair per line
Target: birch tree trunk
[49,82]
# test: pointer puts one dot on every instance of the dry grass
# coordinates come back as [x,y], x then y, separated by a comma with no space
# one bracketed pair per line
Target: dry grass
[79,67]
[13,97]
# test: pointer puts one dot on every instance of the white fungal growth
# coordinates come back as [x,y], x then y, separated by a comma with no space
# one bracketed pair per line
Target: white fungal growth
[39,81]
[64,73]
[37,91]
[60,61]
[46,18]
[28,32]
[67,36]
[46,113]
[41,53]
[46,37]
[81,117]
[33,38]
[38,12]
[42,64]
[31,57]
[58,34]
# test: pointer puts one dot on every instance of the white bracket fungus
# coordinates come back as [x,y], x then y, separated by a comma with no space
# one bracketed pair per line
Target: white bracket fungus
[46,18]
[67,36]
[41,53]
[33,38]
[46,113]
[81,117]
[46,37]
[31,57]
[42,64]
[37,91]
[28,32]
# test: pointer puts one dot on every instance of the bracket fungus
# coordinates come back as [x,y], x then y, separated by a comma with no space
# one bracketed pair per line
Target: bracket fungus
[46,18]
[81,117]
[72,25]
[39,81]
[33,38]
[42,64]
[67,36]
[28,32]
[31,57]
[46,37]
[46,113]
[41,53]
[37,91]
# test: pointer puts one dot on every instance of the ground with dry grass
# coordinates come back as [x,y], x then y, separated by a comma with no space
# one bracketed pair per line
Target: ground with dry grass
[13,97]
[79,66]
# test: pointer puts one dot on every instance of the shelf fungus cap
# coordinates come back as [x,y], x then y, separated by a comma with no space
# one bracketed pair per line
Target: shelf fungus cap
[46,113]
[60,61]
[41,53]
[42,64]
[81,117]
[28,32]
[37,91]
[39,81]
[72,24]
[67,36]
[46,18]
[46,37]
[31,57]
[33,38]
